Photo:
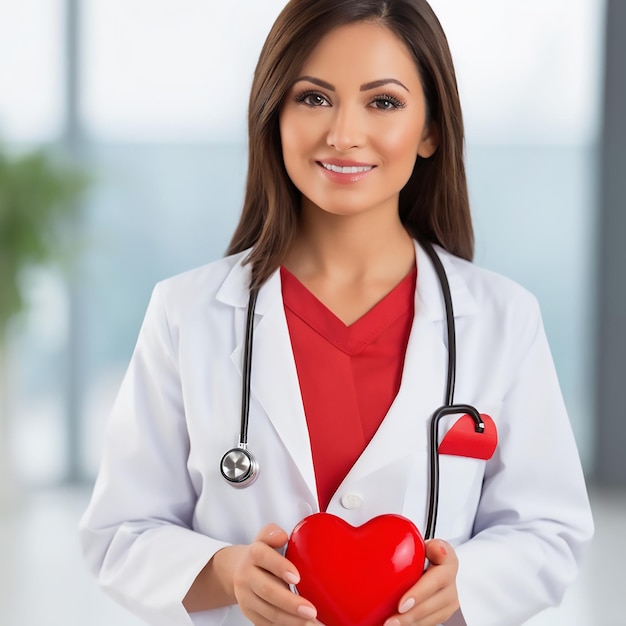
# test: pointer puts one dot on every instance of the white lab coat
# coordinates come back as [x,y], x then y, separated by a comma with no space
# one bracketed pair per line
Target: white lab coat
[160,508]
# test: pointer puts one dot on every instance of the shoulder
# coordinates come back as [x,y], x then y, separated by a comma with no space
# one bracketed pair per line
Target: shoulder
[198,288]
[487,288]
[496,317]
[494,307]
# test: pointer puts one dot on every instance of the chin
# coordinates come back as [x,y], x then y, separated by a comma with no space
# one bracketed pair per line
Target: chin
[346,206]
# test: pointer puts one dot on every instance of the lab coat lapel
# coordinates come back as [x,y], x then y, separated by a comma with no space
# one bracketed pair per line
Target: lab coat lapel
[404,431]
[274,379]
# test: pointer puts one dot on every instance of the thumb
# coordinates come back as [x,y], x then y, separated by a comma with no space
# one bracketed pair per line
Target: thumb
[439,552]
[273,535]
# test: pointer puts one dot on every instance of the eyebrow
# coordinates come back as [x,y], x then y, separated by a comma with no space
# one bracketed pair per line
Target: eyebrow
[366,87]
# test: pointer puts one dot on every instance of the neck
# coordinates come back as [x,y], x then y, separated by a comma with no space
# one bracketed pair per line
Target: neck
[363,247]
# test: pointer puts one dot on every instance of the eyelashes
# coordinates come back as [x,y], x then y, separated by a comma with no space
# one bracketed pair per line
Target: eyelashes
[311,98]
[386,99]
[381,102]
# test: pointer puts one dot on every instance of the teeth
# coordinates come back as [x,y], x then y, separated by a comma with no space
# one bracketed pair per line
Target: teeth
[347,170]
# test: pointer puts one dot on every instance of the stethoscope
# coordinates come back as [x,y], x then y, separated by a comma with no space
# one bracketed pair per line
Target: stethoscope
[239,466]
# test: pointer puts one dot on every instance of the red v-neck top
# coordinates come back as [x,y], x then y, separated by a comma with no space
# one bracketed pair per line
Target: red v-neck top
[348,375]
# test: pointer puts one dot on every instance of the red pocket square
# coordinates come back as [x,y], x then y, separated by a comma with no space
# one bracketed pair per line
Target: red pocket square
[463,440]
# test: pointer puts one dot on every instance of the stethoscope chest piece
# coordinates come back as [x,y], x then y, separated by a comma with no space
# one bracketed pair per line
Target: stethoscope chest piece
[239,467]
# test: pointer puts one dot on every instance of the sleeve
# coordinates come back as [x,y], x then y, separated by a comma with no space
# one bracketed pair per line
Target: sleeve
[533,520]
[136,532]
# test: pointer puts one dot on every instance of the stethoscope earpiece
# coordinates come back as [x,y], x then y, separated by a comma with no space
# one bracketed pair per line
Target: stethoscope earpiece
[239,467]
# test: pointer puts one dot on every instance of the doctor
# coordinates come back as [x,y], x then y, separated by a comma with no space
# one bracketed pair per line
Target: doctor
[355,150]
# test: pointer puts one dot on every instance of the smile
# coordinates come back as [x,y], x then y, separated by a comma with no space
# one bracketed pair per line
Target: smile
[354,169]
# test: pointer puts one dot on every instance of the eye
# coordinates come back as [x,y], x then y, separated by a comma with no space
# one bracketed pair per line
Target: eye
[312,99]
[386,103]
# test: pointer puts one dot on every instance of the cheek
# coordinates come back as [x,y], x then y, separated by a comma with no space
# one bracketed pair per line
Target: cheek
[296,138]
[399,149]
[286,132]
[290,156]
[400,145]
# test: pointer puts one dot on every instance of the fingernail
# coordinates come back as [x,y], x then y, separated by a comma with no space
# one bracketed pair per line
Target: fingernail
[291,578]
[308,612]
[394,621]
[407,605]
[443,548]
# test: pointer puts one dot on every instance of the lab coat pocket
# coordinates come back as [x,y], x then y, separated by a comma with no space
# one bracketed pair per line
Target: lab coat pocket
[460,482]
[461,475]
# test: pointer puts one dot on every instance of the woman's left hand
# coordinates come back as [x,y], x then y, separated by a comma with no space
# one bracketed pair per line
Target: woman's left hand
[433,599]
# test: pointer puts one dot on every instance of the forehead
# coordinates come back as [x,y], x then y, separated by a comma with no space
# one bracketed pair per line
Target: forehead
[364,51]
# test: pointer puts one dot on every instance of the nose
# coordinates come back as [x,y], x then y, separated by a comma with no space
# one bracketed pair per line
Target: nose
[347,129]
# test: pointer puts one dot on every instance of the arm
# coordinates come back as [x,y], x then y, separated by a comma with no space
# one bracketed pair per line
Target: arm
[533,520]
[137,533]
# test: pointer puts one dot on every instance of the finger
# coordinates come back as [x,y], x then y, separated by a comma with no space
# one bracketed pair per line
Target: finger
[269,578]
[435,589]
[440,552]
[441,572]
[262,593]
[287,613]
[274,593]
[434,610]
[432,581]
[260,620]
[273,535]
[266,558]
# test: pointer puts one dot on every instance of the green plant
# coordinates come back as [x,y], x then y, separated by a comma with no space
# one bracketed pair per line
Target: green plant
[39,199]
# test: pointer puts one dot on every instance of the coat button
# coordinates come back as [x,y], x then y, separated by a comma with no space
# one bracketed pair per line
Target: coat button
[351,501]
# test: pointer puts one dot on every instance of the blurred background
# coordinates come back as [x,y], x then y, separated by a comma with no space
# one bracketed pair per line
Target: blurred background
[123,159]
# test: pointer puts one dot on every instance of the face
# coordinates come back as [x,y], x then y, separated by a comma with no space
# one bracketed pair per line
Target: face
[354,122]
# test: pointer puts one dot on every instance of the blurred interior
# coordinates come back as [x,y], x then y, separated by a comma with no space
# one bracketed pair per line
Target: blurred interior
[149,98]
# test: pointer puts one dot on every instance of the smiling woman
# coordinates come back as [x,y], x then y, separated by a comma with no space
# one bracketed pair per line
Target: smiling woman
[327,339]
[432,198]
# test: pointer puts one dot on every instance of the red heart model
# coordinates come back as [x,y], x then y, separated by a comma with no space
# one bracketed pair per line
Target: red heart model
[355,576]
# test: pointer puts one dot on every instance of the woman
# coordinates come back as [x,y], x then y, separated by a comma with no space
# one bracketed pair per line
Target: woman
[356,143]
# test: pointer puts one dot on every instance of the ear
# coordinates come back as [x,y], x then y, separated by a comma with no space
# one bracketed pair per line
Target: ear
[428,143]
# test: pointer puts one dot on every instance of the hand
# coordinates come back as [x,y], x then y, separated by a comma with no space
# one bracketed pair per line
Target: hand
[260,582]
[433,599]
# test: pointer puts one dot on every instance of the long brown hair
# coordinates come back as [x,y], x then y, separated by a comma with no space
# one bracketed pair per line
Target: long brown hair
[433,204]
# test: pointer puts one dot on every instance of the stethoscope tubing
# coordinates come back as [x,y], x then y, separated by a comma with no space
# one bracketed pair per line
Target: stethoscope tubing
[247,369]
[448,408]
[239,466]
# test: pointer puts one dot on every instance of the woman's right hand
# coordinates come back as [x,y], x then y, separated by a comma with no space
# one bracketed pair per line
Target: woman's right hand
[261,578]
